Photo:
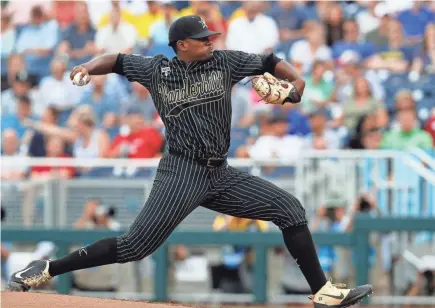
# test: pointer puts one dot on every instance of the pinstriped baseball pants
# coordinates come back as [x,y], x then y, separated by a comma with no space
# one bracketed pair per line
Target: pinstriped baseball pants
[181,185]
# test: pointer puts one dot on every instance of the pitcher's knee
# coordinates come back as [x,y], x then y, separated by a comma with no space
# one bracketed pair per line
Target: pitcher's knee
[129,250]
[290,212]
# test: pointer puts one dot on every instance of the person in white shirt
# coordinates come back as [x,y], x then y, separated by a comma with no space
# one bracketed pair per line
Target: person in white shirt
[57,89]
[118,36]
[276,143]
[321,138]
[303,53]
[11,148]
[368,20]
[253,33]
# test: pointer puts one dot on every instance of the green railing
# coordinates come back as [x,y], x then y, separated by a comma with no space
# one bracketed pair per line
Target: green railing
[358,240]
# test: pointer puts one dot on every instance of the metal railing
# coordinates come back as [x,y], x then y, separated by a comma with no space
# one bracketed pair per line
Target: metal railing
[402,183]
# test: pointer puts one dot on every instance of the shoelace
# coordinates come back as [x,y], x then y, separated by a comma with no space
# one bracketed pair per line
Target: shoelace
[334,285]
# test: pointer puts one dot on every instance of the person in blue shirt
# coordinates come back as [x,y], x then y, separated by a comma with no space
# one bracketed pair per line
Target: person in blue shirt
[37,42]
[78,38]
[351,41]
[16,120]
[101,97]
[415,20]
[424,58]
[290,18]
[395,55]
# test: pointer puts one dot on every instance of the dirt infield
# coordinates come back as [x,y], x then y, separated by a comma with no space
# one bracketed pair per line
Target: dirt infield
[43,300]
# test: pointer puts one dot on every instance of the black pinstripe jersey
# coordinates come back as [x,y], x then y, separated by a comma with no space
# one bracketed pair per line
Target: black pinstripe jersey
[194,100]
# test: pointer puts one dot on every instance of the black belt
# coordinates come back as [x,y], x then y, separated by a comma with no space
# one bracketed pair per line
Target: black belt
[211,162]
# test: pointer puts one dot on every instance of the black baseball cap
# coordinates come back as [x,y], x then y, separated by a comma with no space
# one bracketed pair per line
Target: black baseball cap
[190,26]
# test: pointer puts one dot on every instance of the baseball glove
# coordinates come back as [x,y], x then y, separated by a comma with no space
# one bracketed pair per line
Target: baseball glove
[275,91]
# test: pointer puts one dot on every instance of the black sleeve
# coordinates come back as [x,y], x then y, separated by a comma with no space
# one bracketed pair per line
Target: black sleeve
[242,64]
[136,68]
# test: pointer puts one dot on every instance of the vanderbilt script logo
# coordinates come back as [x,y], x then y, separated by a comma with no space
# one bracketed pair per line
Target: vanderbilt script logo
[208,89]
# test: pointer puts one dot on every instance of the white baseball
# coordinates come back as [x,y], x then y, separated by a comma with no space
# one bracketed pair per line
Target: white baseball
[80,80]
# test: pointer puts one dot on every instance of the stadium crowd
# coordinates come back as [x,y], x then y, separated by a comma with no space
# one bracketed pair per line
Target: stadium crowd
[369,68]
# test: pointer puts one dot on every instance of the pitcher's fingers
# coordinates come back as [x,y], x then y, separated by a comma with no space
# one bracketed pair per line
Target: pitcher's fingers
[74,71]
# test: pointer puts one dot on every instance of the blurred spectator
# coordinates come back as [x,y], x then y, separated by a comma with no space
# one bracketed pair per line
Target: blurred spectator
[298,122]
[20,13]
[242,113]
[7,39]
[275,142]
[255,32]
[142,141]
[378,36]
[111,124]
[58,91]
[321,138]
[329,219]
[37,41]
[403,101]
[140,98]
[55,149]
[100,96]
[430,126]
[315,10]
[232,275]
[64,12]
[318,89]
[16,121]
[97,215]
[305,52]
[212,16]
[395,55]
[100,10]
[334,24]
[368,20]
[140,14]
[159,29]
[78,38]
[415,20]
[362,103]
[87,221]
[118,36]
[349,69]
[10,148]
[424,60]
[143,22]
[21,86]
[15,64]
[409,134]
[332,217]
[367,134]
[87,139]
[35,140]
[351,41]
[289,17]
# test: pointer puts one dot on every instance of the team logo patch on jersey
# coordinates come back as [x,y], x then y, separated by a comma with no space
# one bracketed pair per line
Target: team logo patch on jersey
[166,71]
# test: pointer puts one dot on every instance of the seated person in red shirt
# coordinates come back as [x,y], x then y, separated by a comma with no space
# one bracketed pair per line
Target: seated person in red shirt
[141,141]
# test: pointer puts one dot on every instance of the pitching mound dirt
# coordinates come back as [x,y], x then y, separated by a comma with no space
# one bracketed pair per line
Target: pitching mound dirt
[41,300]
